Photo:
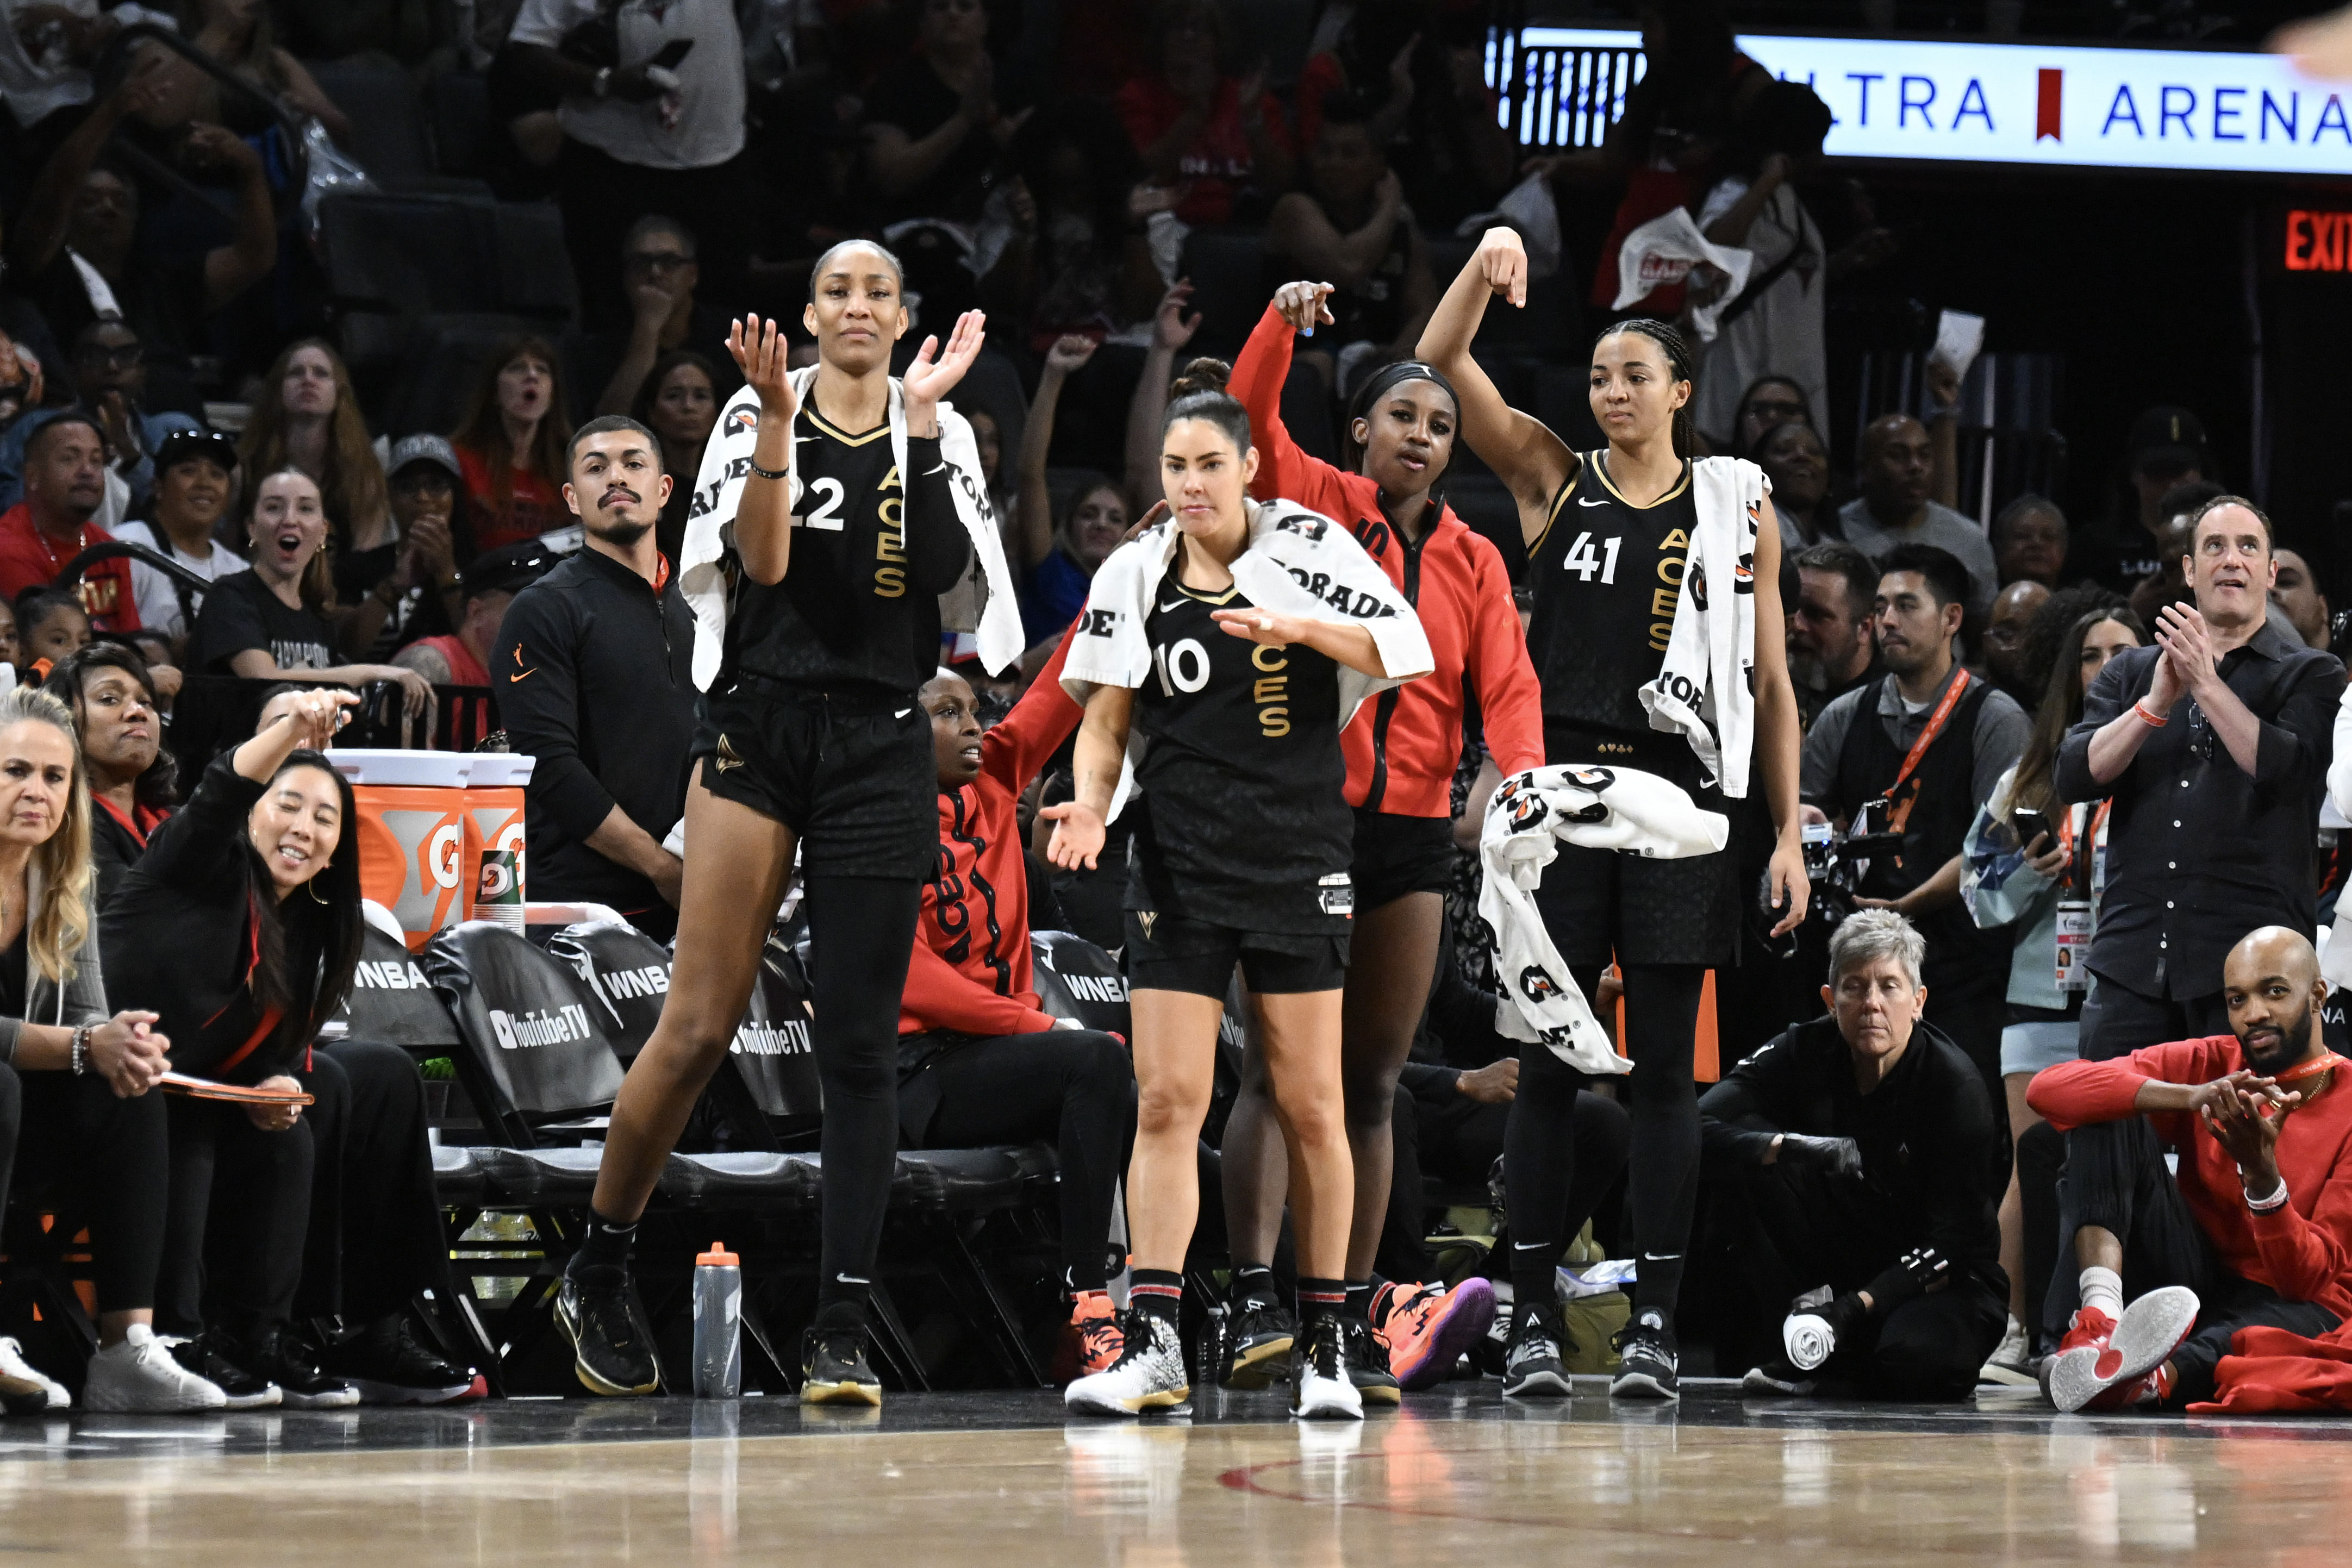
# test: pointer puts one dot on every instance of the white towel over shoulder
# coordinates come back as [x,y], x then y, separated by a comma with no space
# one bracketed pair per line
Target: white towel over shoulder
[1706,688]
[1298,564]
[718,493]
[1530,816]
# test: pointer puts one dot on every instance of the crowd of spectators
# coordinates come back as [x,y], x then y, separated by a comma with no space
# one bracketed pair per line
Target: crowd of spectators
[1995,697]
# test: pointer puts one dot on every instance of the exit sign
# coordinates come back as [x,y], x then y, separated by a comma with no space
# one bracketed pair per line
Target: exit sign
[2319,241]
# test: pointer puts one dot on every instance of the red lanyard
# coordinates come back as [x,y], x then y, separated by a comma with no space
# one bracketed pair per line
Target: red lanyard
[1935,727]
[2066,825]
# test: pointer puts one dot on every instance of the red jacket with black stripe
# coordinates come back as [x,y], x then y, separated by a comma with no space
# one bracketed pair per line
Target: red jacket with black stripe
[1402,747]
[969,971]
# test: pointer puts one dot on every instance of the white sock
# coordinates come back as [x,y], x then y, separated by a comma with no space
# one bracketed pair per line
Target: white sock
[2103,1289]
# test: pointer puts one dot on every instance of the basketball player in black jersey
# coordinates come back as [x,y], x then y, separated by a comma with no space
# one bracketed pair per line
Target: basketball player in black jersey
[810,734]
[1243,857]
[1607,535]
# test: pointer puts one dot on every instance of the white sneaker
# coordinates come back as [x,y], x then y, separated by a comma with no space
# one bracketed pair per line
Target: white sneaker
[1320,1387]
[139,1377]
[1147,1375]
[2011,1364]
[24,1388]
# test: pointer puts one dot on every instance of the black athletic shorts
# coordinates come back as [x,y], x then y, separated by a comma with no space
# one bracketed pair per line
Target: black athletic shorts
[1170,953]
[855,778]
[1605,905]
[1396,855]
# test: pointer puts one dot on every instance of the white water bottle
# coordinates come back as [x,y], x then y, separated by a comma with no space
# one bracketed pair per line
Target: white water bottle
[718,1324]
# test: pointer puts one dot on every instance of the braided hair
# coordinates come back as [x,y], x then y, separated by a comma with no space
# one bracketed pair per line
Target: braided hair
[1679,365]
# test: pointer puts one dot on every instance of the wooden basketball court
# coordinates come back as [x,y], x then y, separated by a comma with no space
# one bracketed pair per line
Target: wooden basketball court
[976,1480]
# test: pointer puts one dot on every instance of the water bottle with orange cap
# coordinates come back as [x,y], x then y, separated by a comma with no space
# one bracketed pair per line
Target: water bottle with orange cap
[718,1323]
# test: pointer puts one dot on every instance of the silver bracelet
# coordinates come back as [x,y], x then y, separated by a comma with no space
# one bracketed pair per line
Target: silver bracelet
[2276,1198]
[80,1053]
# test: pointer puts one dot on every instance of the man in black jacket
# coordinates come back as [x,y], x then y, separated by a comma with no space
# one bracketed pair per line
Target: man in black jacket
[1862,1148]
[592,673]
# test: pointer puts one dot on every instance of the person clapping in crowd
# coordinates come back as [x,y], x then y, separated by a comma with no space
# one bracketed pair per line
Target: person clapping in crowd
[403,584]
[1862,1153]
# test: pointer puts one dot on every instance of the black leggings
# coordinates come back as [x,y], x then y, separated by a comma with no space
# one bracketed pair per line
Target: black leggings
[376,1240]
[1072,1088]
[861,930]
[239,1209]
[1539,1149]
[62,1135]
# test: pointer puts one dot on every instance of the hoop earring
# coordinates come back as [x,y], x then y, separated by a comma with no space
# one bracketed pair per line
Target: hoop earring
[311,886]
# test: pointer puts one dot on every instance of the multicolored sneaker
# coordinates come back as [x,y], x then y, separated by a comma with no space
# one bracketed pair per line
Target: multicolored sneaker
[2138,1343]
[1147,1375]
[1427,1327]
[1094,1321]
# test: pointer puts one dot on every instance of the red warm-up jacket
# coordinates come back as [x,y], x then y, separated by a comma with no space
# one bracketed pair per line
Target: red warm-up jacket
[2301,1250]
[1403,746]
[969,971]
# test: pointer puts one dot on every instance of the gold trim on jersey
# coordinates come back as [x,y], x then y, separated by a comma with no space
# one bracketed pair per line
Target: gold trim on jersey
[1602,472]
[1203,594]
[1566,489]
[829,428]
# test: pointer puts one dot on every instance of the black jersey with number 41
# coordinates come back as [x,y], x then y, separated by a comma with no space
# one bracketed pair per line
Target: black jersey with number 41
[858,607]
[1606,575]
[1243,776]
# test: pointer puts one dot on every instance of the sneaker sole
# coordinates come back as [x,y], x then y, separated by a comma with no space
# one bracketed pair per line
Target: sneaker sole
[1643,1386]
[1251,1368]
[1328,1407]
[374,1392]
[1090,1405]
[1387,1393]
[1995,1374]
[342,1399]
[846,1392]
[1539,1385]
[1466,1323]
[2151,1329]
[269,1401]
[586,1374]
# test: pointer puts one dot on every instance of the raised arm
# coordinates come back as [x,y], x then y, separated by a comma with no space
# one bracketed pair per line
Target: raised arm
[232,269]
[1283,470]
[763,519]
[1532,463]
[308,720]
[1170,330]
[1034,507]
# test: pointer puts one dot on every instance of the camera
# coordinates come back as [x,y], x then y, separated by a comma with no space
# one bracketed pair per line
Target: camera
[1836,861]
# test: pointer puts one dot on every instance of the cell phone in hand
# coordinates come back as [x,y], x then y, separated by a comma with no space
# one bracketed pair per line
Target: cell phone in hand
[672,53]
[2030,824]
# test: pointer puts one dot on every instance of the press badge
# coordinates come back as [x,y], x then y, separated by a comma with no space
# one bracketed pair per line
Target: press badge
[1337,895]
[2074,944]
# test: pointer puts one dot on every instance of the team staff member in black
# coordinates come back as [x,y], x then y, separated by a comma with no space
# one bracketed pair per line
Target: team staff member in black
[1603,531]
[591,674]
[1931,741]
[811,735]
[1243,857]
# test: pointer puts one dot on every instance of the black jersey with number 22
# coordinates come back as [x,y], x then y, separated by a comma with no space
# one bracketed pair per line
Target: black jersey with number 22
[1606,575]
[1249,825]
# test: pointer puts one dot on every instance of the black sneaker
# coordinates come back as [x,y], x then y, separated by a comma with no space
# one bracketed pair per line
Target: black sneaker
[833,1369]
[1260,1342]
[596,1308]
[276,1354]
[1490,1353]
[1647,1359]
[1320,1388]
[1533,1365]
[388,1365]
[204,1356]
[1368,1365]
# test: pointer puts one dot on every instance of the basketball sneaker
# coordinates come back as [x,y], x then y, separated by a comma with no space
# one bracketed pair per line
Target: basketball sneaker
[2011,1364]
[1647,1359]
[1147,1375]
[204,1356]
[1533,1367]
[277,1355]
[139,1377]
[1094,1321]
[1426,1328]
[1319,1385]
[1261,1337]
[389,1365]
[26,1389]
[1367,1361]
[2151,1329]
[833,1369]
[596,1308]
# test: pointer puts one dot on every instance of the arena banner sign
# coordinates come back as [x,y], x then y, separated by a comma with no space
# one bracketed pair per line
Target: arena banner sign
[2034,103]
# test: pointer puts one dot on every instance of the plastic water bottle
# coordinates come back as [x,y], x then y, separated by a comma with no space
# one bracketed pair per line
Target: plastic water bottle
[718,1324]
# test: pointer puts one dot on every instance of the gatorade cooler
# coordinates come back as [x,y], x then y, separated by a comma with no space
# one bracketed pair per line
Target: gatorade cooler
[494,802]
[412,834]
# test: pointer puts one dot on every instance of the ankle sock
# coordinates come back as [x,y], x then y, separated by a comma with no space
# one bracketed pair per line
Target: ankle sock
[2103,1289]
[1159,1293]
[1658,1286]
[605,1244]
[1317,1297]
[1253,1283]
[1359,1305]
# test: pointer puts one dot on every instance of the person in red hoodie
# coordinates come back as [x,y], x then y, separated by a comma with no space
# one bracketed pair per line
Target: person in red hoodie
[1401,750]
[979,1062]
[2256,1229]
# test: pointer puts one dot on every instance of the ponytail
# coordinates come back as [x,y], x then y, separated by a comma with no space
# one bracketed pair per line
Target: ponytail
[1679,365]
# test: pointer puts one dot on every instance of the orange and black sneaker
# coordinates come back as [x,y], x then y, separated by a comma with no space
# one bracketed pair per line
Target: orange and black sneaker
[1093,1323]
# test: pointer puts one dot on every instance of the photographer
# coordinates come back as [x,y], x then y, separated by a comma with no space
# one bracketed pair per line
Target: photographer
[1866,1151]
[1941,739]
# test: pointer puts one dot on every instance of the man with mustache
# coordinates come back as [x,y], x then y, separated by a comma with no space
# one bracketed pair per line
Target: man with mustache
[2215,746]
[591,668]
[2255,1230]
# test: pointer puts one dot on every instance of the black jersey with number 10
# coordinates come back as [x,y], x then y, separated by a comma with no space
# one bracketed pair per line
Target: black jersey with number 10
[1606,575]
[872,550]
[1243,776]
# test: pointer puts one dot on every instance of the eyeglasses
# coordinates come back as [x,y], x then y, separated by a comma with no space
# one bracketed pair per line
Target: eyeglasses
[656,260]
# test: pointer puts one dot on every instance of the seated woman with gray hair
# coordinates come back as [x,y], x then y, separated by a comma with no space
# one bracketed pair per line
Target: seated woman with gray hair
[1861,1162]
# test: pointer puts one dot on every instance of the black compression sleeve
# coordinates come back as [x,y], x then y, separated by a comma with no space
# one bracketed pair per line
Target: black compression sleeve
[936,545]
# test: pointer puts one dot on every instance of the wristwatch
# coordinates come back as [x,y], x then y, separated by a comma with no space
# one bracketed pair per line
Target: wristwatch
[604,82]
